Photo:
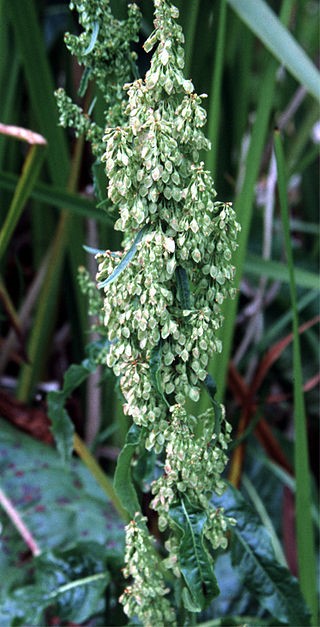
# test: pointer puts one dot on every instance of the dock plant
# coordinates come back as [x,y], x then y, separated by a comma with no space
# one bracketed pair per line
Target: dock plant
[162,297]
[144,528]
[161,311]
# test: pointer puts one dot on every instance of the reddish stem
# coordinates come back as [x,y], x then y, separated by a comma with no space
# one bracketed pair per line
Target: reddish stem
[17,521]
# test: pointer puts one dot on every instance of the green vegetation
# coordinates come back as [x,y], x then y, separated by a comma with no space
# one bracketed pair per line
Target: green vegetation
[167,379]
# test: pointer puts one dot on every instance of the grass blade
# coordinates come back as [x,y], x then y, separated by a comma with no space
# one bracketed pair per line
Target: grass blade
[55,196]
[304,526]
[40,84]
[264,23]
[190,31]
[280,272]
[215,90]
[30,171]
[244,208]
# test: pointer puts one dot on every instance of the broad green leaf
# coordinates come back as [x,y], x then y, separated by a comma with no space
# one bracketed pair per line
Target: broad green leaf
[260,18]
[183,287]
[125,260]
[123,483]
[58,504]
[62,426]
[70,583]
[253,556]
[195,561]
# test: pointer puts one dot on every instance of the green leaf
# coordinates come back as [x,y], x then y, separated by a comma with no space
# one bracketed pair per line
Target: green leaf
[77,374]
[304,525]
[29,174]
[264,23]
[280,272]
[126,259]
[195,561]
[94,36]
[123,483]
[253,556]
[53,195]
[84,81]
[71,583]
[183,287]
[62,426]
[58,504]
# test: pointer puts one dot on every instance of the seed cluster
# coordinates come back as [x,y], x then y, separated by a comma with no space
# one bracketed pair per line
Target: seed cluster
[104,49]
[145,597]
[162,308]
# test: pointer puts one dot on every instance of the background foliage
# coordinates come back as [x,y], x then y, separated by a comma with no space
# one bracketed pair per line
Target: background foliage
[257,77]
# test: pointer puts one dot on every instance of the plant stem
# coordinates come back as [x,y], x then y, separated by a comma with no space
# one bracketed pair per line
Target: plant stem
[99,475]
[17,521]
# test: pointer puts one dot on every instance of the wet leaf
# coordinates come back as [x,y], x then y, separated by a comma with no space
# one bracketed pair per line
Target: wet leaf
[253,556]
[195,560]
[123,482]
[70,582]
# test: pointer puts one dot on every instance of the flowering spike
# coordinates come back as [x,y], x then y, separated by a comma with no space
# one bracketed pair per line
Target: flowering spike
[163,312]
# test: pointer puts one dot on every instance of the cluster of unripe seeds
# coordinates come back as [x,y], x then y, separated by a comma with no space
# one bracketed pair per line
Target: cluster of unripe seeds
[163,293]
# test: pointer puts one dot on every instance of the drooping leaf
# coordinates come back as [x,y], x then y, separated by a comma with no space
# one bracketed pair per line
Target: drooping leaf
[123,483]
[183,287]
[260,18]
[195,560]
[62,426]
[77,374]
[94,36]
[125,260]
[253,556]
[93,251]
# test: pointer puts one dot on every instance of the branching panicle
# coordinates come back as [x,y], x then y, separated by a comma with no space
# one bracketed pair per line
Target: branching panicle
[163,311]
[104,49]
[162,296]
